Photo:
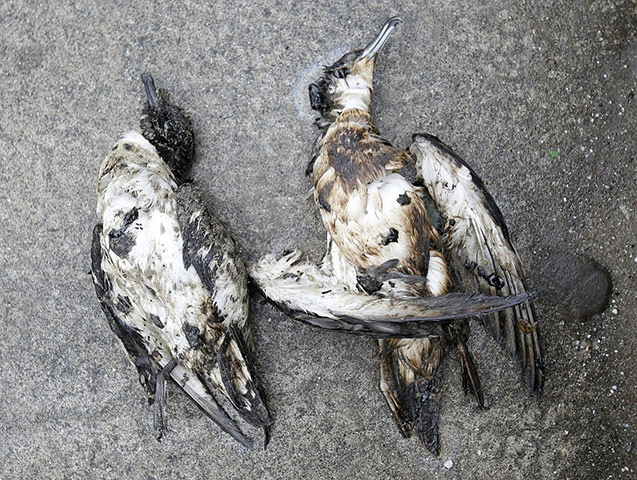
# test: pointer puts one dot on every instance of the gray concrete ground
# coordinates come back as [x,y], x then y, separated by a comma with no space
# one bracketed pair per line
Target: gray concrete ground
[539,98]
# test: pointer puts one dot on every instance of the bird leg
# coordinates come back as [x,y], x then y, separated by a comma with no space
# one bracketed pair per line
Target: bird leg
[160,422]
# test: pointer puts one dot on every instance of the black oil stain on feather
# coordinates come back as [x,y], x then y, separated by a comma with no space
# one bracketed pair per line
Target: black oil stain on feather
[123,304]
[392,237]
[158,323]
[369,283]
[493,279]
[121,242]
[122,245]
[192,335]
[324,203]
[403,199]
[130,217]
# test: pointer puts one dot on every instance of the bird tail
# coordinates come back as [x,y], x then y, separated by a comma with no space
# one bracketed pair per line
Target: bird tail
[410,374]
[410,378]
[470,378]
[239,381]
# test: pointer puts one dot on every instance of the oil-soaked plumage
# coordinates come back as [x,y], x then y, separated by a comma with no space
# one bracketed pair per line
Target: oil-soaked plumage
[378,203]
[314,295]
[168,274]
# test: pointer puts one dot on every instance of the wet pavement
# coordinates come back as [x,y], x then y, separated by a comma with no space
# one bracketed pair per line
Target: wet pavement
[538,98]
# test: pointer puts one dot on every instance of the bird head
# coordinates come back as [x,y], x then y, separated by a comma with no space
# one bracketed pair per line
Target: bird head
[348,82]
[167,127]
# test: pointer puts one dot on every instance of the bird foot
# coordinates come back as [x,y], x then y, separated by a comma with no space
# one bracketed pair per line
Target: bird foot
[160,420]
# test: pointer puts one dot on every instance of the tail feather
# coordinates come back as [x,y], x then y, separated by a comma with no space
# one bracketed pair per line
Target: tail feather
[425,409]
[470,378]
[197,389]
[237,379]
[410,374]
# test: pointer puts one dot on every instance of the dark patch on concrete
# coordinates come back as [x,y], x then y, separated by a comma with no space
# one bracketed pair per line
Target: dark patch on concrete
[579,285]
[410,172]
[29,59]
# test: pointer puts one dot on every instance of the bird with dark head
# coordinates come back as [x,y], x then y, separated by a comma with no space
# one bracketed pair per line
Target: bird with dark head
[167,128]
[168,275]
[347,83]
[377,203]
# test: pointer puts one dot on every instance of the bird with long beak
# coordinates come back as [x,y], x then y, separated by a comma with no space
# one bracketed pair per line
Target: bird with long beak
[403,226]
[168,275]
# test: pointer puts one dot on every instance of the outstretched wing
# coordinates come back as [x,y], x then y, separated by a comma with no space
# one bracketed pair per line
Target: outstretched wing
[210,249]
[305,292]
[481,252]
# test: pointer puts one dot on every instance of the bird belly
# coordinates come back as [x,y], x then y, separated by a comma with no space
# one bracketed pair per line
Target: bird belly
[165,302]
[381,221]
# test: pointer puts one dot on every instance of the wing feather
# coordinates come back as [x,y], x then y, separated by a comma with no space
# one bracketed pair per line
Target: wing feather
[482,255]
[305,292]
[132,341]
[210,249]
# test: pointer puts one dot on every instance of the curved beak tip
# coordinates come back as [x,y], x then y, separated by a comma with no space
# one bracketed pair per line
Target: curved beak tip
[394,21]
[372,49]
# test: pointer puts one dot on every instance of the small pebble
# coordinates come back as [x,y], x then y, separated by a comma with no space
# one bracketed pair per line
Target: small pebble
[448,464]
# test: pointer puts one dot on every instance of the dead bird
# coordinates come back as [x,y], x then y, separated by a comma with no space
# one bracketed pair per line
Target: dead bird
[373,199]
[168,275]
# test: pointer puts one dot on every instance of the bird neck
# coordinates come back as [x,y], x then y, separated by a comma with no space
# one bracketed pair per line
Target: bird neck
[355,98]
[358,116]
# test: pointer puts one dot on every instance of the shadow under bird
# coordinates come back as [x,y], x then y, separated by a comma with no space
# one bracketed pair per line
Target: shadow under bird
[168,274]
[403,228]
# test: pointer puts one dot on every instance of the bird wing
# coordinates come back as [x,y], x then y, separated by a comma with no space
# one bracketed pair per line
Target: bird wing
[210,249]
[147,366]
[303,291]
[132,341]
[482,255]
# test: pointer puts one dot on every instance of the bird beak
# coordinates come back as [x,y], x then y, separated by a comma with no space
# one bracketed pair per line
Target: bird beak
[378,43]
[151,92]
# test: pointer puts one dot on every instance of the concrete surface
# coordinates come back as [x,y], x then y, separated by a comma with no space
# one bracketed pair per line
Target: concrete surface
[503,82]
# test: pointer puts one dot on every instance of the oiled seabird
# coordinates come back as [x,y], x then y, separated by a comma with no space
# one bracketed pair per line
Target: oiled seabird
[168,274]
[400,226]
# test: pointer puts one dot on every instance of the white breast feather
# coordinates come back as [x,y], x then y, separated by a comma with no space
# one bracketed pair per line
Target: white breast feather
[152,275]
